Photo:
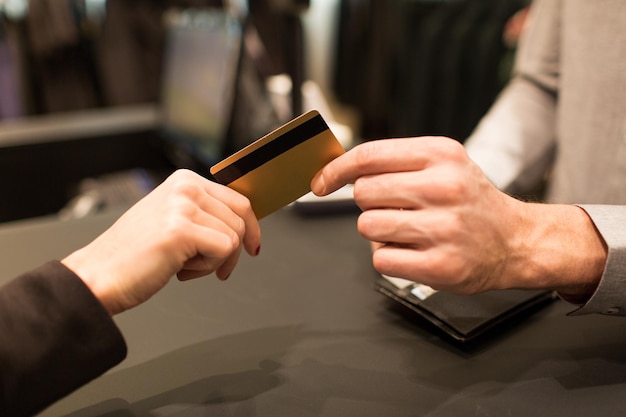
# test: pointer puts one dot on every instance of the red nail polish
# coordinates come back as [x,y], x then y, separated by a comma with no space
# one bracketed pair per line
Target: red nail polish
[258,250]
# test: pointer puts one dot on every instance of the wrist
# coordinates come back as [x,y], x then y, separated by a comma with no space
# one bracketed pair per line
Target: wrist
[559,248]
[78,263]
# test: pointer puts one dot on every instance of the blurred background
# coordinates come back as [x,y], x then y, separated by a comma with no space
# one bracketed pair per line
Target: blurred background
[100,99]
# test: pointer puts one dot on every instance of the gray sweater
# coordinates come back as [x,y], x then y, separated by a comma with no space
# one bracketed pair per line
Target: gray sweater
[564,116]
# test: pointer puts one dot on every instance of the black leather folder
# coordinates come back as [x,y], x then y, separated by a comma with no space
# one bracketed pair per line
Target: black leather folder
[466,318]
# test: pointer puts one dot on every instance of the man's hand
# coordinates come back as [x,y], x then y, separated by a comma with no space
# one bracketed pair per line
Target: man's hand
[439,221]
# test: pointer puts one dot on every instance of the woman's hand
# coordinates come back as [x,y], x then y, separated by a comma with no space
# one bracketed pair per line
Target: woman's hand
[188,226]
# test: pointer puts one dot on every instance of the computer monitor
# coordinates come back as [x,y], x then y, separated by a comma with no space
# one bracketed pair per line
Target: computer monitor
[201,57]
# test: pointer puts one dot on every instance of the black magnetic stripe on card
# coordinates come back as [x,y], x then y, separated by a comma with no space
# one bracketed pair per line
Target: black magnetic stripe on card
[271,150]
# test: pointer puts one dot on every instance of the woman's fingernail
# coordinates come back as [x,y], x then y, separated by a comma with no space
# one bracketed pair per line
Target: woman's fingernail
[257,251]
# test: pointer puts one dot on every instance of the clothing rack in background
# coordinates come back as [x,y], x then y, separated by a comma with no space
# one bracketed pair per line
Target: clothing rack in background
[415,67]
[64,57]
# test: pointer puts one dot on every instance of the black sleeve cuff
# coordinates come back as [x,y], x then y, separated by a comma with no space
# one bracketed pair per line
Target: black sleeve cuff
[55,337]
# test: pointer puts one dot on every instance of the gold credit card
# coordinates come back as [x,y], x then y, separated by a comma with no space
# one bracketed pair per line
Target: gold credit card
[278,168]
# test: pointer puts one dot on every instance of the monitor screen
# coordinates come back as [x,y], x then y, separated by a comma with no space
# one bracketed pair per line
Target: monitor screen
[199,77]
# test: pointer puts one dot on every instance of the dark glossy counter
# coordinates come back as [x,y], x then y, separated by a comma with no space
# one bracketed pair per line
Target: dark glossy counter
[299,331]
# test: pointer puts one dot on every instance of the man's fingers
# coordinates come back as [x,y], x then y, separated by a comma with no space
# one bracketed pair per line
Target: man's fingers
[428,267]
[380,156]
